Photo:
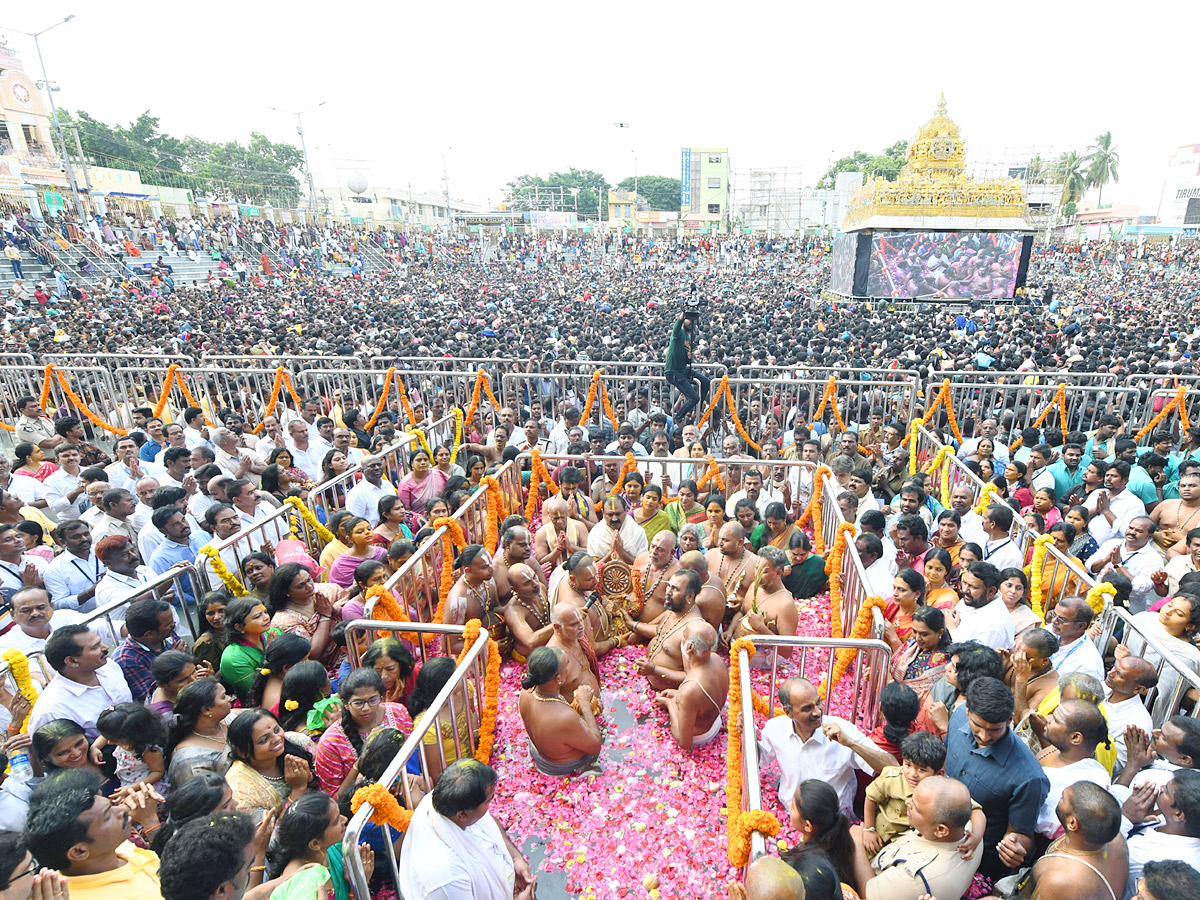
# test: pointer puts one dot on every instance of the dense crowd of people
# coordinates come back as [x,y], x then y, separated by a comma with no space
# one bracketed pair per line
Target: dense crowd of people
[1017,752]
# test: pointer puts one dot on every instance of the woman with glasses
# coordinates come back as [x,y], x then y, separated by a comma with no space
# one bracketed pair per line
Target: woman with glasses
[363,711]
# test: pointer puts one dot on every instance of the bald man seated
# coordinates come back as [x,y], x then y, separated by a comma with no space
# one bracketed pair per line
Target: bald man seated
[527,612]
[926,859]
[768,878]
[695,706]
[559,537]
[711,599]
[564,738]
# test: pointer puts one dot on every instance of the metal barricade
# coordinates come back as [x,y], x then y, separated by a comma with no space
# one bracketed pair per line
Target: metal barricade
[180,581]
[1061,578]
[244,391]
[868,674]
[1156,391]
[92,386]
[113,361]
[291,362]
[1019,405]
[793,400]
[416,583]
[441,431]
[277,526]
[445,363]
[36,658]
[362,388]
[461,698]
[1175,679]
[1160,397]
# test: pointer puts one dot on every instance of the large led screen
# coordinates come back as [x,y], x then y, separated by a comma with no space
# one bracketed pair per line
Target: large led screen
[842,279]
[957,264]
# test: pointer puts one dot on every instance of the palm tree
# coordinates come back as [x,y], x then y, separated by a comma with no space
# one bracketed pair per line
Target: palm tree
[1102,161]
[1069,169]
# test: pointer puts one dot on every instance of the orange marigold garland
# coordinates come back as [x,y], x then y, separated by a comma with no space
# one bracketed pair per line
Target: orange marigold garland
[626,467]
[591,396]
[538,475]
[1057,402]
[482,383]
[491,690]
[453,537]
[394,612]
[1175,402]
[712,472]
[385,808]
[812,512]
[77,402]
[608,409]
[722,388]
[739,823]
[383,396]
[495,502]
[845,656]
[833,568]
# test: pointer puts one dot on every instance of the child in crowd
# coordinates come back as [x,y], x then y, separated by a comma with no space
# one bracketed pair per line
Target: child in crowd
[138,736]
[885,811]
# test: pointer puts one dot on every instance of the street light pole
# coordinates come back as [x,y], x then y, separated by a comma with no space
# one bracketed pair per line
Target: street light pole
[62,141]
[312,192]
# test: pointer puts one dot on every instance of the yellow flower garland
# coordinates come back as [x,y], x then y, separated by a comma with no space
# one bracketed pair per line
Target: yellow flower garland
[1036,594]
[985,498]
[424,442]
[222,571]
[1095,597]
[18,667]
[912,445]
[458,433]
[307,515]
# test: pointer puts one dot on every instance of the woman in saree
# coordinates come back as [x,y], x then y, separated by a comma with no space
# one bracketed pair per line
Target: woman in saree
[422,483]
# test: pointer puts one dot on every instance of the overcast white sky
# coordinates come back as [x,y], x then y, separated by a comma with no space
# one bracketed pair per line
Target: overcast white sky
[505,88]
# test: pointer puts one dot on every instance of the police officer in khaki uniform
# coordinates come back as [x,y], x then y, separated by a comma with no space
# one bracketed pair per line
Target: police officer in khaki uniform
[926,860]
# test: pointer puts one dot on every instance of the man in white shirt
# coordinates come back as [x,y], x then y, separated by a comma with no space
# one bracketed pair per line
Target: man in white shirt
[455,848]
[1112,508]
[125,472]
[306,454]
[341,441]
[34,618]
[530,438]
[177,463]
[175,438]
[981,615]
[235,461]
[561,432]
[1000,549]
[195,432]
[1076,651]
[251,511]
[124,576]
[63,489]
[1135,558]
[1039,472]
[626,442]
[72,576]
[1180,565]
[1125,690]
[752,490]
[363,499]
[988,428]
[87,683]
[272,437]
[224,522]
[118,505]
[962,501]
[143,490]
[877,568]
[17,568]
[860,484]
[1173,838]
[807,744]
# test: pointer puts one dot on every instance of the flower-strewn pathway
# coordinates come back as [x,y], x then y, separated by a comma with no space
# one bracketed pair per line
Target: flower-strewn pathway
[652,824]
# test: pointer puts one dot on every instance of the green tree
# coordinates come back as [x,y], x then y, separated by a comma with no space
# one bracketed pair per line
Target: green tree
[1069,209]
[260,171]
[883,165]
[1069,169]
[1102,161]
[529,191]
[660,191]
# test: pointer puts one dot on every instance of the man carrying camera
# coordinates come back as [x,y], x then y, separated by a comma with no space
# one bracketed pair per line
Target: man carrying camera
[679,372]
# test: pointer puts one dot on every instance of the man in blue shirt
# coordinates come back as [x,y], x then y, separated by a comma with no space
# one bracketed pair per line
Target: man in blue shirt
[1001,772]
[180,545]
[155,440]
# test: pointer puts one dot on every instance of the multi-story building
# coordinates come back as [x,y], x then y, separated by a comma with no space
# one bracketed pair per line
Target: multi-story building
[704,189]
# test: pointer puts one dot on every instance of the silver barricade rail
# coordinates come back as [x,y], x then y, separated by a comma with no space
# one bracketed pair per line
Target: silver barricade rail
[1156,391]
[36,658]
[455,363]
[416,584]
[868,674]
[18,359]
[273,527]
[441,431]
[1162,396]
[979,398]
[461,698]
[1063,578]
[1175,679]
[93,385]
[960,474]
[927,447]
[113,361]
[893,392]
[175,579]
[331,494]
[293,362]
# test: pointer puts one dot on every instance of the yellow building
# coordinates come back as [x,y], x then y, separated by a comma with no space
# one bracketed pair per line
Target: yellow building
[623,207]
